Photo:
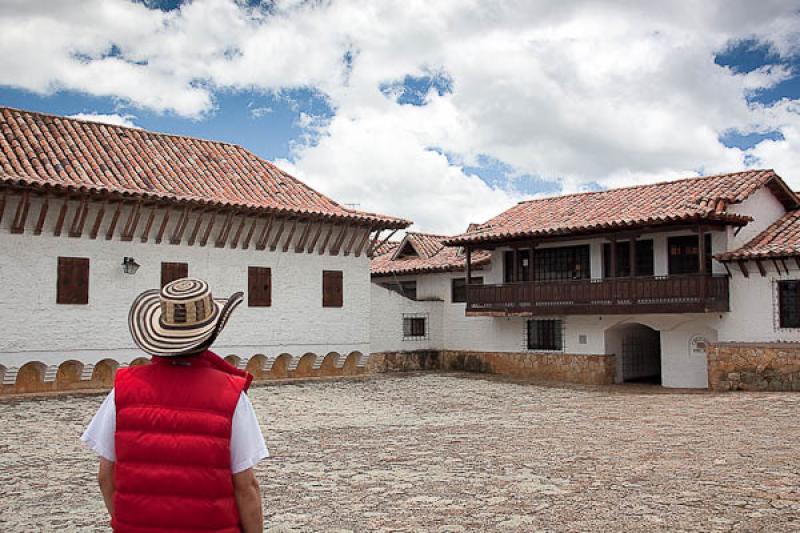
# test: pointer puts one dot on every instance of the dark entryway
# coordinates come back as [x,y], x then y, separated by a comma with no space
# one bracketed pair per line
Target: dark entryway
[638,353]
[641,356]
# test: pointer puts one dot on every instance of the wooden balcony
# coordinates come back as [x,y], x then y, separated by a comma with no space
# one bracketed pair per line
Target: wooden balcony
[689,293]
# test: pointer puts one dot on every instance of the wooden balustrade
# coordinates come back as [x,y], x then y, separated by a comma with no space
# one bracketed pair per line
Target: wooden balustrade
[688,293]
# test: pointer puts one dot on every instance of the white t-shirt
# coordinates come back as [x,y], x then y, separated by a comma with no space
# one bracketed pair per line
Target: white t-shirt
[247,442]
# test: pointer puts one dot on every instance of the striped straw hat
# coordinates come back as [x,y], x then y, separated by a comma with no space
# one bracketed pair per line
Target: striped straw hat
[180,319]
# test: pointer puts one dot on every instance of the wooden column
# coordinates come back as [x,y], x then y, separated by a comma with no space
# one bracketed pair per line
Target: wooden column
[632,257]
[613,259]
[469,266]
[530,262]
[701,250]
[515,270]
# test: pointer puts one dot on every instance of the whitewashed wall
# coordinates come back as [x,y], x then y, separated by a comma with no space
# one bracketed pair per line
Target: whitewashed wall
[35,328]
[386,324]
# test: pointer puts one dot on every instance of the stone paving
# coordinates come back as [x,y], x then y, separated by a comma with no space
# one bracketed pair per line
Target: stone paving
[450,452]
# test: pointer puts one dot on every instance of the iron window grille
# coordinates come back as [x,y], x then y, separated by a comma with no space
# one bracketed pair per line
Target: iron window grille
[544,335]
[415,326]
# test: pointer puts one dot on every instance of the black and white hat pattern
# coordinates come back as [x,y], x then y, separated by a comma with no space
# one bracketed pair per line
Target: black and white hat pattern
[182,318]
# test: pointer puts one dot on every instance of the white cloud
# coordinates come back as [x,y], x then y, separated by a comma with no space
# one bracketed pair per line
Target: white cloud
[578,92]
[114,119]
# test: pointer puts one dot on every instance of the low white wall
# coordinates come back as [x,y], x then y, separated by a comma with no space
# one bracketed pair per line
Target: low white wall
[386,328]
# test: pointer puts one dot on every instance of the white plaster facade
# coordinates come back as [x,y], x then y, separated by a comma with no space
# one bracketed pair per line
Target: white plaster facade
[752,316]
[35,328]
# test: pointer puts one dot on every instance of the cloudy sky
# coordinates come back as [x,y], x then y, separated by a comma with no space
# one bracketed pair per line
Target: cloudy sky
[444,112]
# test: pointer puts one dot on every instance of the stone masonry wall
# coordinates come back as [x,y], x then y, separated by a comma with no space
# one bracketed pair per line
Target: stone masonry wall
[556,367]
[746,366]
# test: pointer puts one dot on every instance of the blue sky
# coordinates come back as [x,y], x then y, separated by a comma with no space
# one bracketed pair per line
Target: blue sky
[445,116]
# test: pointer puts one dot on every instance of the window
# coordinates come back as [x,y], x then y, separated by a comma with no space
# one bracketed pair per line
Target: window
[644,258]
[789,304]
[458,289]
[523,266]
[405,288]
[683,254]
[73,281]
[545,335]
[566,262]
[415,327]
[172,271]
[332,288]
[259,287]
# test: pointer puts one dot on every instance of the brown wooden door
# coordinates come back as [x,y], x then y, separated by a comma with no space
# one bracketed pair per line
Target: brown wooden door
[332,291]
[73,281]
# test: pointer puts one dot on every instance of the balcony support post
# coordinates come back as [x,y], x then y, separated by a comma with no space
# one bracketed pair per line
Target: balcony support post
[469,267]
[515,271]
[530,261]
[613,261]
[701,250]
[632,257]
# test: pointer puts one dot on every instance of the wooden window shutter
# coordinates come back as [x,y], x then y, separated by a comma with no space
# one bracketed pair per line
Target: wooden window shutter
[259,287]
[172,271]
[332,292]
[73,281]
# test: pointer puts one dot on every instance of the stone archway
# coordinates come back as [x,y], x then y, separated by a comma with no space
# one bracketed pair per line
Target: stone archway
[637,349]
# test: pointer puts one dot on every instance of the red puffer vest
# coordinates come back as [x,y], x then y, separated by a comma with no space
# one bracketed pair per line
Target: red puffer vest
[173,469]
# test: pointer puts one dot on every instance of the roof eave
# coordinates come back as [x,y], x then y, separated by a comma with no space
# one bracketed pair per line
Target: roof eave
[374,221]
[497,239]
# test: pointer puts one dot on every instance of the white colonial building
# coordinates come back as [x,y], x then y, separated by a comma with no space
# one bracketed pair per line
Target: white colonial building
[670,283]
[93,214]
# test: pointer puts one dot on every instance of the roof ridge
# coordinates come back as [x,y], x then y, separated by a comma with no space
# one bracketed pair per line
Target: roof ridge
[130,128]
[644,185]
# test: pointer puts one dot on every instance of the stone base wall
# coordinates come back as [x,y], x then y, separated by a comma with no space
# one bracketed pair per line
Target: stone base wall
[754,367]
[556,367]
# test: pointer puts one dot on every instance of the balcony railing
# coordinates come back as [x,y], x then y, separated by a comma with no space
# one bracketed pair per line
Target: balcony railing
[688,293]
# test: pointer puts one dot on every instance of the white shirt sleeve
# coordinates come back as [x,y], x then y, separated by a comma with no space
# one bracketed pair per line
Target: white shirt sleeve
[99,435]
[247,443]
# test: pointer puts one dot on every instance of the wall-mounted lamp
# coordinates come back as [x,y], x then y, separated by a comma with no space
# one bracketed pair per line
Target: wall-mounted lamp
[129,265]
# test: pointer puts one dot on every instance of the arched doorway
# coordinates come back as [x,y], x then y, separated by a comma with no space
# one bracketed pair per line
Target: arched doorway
[638,351]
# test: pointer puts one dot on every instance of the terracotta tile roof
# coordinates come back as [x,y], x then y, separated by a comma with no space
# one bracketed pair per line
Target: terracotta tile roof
[430,255]
[781,239]
[685,200]
[67,154]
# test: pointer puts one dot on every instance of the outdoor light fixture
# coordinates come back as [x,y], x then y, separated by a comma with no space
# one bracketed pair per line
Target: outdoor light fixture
[129,265]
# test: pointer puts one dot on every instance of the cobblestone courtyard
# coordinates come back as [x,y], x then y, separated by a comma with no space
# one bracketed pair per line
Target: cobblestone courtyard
[456,453]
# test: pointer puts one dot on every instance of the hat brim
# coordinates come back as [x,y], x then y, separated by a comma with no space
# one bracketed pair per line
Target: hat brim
[155,338]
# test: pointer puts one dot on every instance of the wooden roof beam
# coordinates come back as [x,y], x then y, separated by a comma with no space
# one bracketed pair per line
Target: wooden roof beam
[98,219]
[326,239]
[18,224]
[761,268]
[274,244]
[313,242]
[148,225]
[238,234]
[196,229]
[348,248]
[261,244]
[246,243]
[114,220]
[180,227]
[289,237]
[222,236]
[133,221]
[37,230]
[209,227]
[162,227]
[76,229]
[337,244]
[301,242]
[362,243]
